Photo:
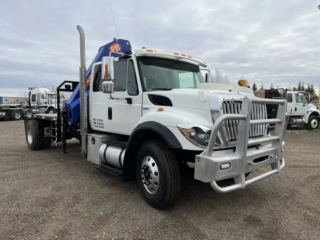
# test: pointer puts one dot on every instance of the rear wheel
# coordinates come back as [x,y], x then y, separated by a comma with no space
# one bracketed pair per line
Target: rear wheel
[158,174]
[16,115]
[313,122]
[33,136]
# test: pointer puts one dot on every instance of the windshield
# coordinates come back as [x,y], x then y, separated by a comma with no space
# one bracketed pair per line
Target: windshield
[52,96]
[166,74]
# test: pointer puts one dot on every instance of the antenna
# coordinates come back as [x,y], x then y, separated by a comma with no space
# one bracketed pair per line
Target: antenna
[114,22]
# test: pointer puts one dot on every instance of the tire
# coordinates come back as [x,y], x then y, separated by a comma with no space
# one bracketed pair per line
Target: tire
[313,122]
[16,115]
[34,137]
[165,186]
[51,110]
[27,114]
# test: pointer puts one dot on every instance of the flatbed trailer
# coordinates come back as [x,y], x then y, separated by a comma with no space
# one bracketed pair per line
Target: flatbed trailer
[11,112]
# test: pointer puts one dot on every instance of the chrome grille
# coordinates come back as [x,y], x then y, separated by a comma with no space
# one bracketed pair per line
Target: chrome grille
[259,111]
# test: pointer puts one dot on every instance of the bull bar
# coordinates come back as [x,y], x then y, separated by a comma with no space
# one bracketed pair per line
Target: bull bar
[241,160]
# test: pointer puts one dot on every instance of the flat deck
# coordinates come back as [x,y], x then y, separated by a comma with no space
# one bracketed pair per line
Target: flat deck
[47,116]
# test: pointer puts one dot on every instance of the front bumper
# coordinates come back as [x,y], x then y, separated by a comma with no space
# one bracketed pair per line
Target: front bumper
[212,166]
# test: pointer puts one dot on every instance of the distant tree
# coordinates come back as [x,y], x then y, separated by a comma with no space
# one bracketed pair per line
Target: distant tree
[219,78]
[302,86]
[271,86]
[312,90]
[261,87]
[294,89]
[254,87]
[299,86]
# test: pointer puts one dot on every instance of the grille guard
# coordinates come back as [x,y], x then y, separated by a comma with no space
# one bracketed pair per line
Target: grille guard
[208,163]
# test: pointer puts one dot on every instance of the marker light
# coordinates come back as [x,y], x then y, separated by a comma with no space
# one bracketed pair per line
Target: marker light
[224,166]
[189,57]
[105,71]
[149,50]
[176,53]
[160,109]
[183,55]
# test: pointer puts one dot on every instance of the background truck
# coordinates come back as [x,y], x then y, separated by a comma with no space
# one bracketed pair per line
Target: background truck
[11,107]
[43,100]
[299,110]
[149,116]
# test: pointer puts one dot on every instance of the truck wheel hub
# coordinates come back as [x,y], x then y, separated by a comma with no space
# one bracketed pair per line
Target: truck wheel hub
[314,123]
[150,175]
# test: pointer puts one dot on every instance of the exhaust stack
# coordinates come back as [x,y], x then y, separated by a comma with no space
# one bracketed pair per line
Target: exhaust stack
[83,94]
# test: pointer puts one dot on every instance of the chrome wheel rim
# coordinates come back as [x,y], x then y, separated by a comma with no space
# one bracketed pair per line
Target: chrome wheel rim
[17,115]
[29,135]
[314,123]
[150,175]
[28,114]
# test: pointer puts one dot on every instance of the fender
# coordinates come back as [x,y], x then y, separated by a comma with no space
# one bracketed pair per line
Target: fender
[313,112]
[137,137]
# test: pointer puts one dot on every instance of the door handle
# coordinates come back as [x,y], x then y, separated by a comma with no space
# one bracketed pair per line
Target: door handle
[110,113]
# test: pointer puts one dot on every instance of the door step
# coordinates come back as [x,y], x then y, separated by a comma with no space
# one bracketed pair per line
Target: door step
[108,169]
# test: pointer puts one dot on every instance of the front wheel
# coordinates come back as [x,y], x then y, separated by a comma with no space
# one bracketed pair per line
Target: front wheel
[51,110]
[313,122]
[158,174]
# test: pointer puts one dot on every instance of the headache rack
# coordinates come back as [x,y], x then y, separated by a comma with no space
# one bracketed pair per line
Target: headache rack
[208,166]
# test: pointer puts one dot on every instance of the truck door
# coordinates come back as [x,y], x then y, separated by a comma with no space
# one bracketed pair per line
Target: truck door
[301,106]
[98,101]
[290,104]
[123,115]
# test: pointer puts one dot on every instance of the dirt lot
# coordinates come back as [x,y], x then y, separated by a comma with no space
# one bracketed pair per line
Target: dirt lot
[49,195]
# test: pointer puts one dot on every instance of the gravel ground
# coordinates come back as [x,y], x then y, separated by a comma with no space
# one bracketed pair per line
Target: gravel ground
[49,195]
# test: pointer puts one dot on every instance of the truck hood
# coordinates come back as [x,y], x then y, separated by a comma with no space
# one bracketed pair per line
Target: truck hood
[200,98]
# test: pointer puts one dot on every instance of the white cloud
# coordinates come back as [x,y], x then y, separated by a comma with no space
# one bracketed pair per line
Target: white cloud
[266,41]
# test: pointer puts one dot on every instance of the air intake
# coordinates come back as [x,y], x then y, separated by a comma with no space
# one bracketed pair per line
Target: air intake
[160,100]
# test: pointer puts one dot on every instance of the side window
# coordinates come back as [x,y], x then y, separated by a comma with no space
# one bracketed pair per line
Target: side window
[298,98]
[289,97]
[97,84]
[33,98]
[186,80]
[43,96]
[120,76]
[132,81]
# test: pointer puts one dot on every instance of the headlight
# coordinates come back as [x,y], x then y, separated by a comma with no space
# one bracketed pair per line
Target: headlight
[199,135]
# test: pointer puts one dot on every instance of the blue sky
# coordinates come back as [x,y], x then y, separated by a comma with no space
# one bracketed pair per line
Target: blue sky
[265,41]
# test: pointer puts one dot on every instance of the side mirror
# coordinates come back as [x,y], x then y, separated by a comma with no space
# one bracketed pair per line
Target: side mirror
[107,68]
[107,87]
[107,75]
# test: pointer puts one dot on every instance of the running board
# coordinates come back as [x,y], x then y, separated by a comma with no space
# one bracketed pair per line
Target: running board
[111,170]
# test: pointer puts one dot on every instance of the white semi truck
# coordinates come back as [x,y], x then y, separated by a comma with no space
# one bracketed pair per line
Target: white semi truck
[43,100]
[147,115]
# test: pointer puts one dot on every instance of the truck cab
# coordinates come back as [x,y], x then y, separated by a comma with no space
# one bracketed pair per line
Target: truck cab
[43,100]
[300,111]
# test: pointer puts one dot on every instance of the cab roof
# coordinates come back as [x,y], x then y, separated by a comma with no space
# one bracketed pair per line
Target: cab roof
[169,54]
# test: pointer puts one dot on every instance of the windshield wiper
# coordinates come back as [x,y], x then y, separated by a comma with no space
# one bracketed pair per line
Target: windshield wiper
[166,89]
